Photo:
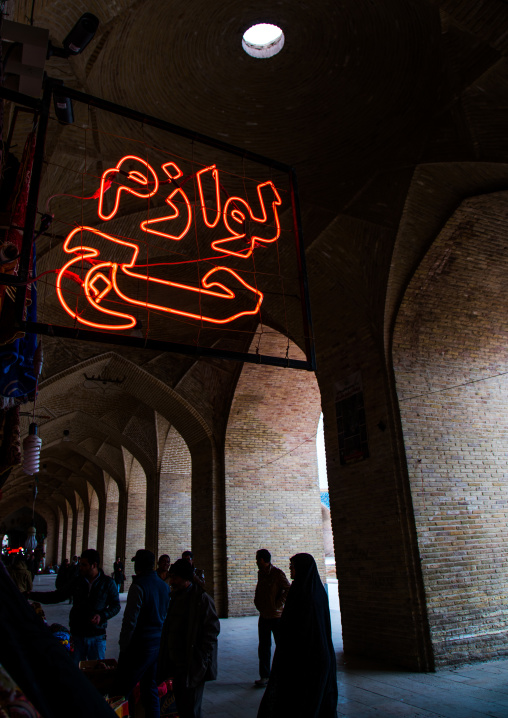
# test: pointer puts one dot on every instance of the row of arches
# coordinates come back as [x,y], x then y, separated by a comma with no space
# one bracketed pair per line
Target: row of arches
[135,465]
[223,460]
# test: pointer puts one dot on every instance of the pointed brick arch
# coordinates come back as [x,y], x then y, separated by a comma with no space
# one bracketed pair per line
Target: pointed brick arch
[272,489]
[143,387]
[207,516]
[451,369]
[88,426]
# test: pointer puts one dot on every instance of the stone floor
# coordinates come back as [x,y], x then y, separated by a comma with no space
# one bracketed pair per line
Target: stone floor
[472,691]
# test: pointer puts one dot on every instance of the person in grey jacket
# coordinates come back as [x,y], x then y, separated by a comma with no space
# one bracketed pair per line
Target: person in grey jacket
[140,635]
[188,651]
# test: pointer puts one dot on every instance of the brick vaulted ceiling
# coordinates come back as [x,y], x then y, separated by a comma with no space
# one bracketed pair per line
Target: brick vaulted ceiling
[392,113]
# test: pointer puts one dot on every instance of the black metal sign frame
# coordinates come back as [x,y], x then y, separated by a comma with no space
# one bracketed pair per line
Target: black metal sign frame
[42,111]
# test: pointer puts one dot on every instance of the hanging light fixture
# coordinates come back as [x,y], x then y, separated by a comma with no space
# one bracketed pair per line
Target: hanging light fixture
[31,451]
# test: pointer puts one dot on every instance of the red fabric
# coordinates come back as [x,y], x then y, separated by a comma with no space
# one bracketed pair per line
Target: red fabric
[165,687]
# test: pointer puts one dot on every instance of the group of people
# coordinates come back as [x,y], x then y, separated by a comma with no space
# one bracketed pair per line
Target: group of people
[159,638]
[162,638]
[302,680]
[170,629]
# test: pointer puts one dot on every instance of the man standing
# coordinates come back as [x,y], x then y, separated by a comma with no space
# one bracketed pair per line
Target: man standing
[62,575]
[163,567]
[199,574]
[140,636]
[95,601]
[118,573]
[271,592]
[188,651]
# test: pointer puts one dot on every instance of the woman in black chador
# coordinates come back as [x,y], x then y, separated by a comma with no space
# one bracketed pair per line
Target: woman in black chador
[303,679]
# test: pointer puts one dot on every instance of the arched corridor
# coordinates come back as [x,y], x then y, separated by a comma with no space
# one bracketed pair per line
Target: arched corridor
[382,255]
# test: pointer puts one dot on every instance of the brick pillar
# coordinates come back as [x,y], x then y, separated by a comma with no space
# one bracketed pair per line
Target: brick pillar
[85,541]
[378,567]
[65,534]
[136,509]
[113,527]
[74,530]
[152,512]
[100,518]
[208,521]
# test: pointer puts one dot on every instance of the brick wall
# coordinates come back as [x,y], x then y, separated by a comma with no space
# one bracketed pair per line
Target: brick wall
[111,522]
[60,527]
[175,497]
[80,517]
[449,358]
[94,518]
[52,536]
[272,491]
[136,512]
[70,520]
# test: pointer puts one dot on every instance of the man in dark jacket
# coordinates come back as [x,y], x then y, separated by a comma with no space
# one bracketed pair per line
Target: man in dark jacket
[188,651]
[271,592]
[140,637]
[95,601]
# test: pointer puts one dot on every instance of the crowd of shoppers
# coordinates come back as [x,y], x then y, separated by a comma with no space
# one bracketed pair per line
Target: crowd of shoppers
[170,629]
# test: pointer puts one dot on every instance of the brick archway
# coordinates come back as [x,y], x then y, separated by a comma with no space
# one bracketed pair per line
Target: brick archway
[272,486]
[450,363]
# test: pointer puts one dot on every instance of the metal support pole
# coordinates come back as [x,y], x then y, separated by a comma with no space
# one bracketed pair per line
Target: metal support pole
[31,209]
[302,273]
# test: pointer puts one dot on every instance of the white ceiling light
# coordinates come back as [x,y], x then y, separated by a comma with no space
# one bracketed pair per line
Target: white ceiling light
[263,40]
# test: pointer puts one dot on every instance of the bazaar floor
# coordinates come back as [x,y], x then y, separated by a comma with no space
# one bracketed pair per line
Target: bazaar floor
[471,691]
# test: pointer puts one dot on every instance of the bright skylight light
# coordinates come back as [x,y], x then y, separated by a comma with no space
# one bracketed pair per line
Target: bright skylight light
[263,40]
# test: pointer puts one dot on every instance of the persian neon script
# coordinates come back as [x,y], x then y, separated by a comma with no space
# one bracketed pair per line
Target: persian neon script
[220,296]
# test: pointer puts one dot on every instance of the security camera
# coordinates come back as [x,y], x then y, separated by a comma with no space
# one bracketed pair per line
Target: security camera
[78,38]
[81,34]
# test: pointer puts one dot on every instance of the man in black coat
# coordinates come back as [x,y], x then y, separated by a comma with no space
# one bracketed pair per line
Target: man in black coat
[188,652]
[95,601]
[140,637]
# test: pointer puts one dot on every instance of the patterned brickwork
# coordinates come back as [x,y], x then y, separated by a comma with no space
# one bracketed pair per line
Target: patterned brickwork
[451,362]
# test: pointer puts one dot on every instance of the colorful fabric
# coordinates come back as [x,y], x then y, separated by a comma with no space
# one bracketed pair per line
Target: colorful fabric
[13,702]
[16,355]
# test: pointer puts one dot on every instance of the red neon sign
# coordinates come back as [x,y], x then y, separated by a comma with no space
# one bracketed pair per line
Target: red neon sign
[222,295]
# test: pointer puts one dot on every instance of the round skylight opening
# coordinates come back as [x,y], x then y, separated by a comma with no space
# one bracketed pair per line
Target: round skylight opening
[263,40]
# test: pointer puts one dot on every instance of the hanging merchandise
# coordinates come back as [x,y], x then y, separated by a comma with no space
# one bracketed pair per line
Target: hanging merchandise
[17,347]
[31,451]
